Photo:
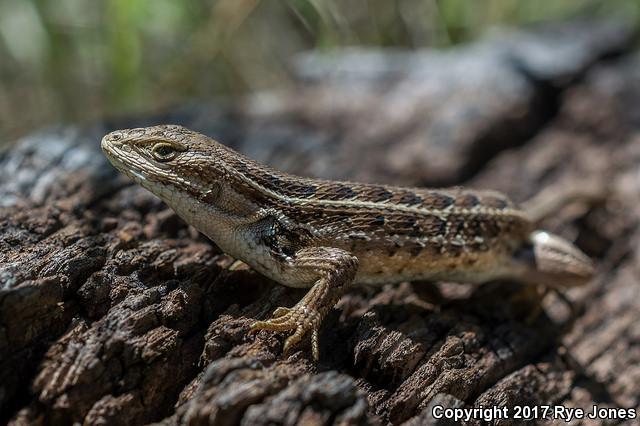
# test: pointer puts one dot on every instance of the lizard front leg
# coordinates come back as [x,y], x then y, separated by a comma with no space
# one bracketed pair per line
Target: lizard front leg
[335,270]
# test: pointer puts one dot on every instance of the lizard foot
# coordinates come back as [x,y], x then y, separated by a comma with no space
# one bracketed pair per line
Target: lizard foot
[335,270]
[301,319]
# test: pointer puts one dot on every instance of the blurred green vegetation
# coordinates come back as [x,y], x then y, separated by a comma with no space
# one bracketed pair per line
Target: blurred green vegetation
[76,60]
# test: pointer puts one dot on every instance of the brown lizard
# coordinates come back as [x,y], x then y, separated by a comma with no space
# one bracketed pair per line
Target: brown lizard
[327,235]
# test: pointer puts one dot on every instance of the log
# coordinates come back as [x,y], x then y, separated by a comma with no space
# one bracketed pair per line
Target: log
[113,311]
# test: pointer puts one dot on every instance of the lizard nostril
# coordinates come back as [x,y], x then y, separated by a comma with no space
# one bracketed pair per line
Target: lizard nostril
[113,139]
[109,141]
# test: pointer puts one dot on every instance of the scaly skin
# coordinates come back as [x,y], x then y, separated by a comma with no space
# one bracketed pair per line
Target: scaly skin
[327,235]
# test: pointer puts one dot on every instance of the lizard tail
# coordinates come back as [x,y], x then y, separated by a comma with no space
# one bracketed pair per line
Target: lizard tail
[553,261]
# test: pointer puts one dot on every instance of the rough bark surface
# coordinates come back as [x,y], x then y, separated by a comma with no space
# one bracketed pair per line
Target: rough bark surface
[113,311]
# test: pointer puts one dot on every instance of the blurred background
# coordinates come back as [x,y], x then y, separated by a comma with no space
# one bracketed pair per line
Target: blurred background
[78,60]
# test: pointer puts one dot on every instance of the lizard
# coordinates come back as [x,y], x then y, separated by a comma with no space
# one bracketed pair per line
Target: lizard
[327,236]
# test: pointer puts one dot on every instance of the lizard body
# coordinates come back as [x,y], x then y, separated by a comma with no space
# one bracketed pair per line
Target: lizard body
[327,235]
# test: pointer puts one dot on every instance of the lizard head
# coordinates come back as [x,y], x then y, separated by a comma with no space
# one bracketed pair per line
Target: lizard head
[168,160]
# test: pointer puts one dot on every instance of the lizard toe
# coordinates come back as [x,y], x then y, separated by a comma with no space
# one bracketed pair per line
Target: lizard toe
[299,319]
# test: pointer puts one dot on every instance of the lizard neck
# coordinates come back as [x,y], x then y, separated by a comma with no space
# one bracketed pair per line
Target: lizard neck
[218,211]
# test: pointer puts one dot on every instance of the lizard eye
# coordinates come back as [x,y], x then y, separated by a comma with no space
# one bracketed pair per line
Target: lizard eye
[164,152]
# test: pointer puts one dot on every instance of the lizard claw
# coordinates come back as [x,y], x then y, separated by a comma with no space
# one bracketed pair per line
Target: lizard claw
[300,319]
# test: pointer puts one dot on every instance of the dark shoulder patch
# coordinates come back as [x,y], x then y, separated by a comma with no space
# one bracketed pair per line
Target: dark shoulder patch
[280,239]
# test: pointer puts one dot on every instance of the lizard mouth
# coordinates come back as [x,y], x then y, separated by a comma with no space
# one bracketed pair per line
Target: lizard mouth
[122,158]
